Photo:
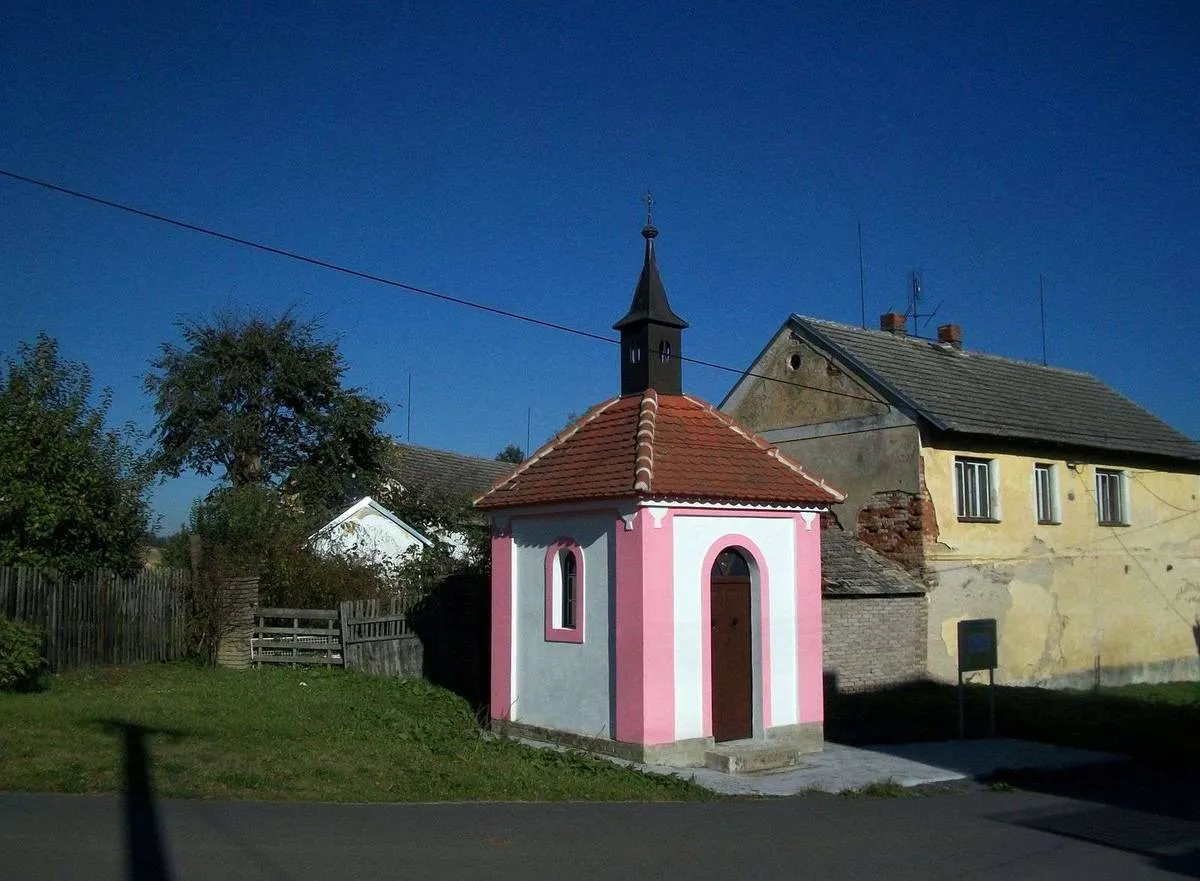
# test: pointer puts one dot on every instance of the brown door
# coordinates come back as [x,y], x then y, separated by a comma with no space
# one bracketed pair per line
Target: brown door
[732,672]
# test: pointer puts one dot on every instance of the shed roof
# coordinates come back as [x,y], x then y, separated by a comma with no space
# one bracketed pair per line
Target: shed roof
[444,472]
[850,568]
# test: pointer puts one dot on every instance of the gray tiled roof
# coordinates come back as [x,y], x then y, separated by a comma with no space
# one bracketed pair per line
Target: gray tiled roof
[451,474]
[976,393]
[850,567]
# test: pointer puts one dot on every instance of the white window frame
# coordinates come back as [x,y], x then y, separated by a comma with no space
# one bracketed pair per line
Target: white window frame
[1112,497]
[1049,514]
[976,489]
[557,628]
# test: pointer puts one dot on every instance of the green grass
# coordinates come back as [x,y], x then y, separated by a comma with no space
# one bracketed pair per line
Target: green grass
[289,735]
[1153,722]
[881,789]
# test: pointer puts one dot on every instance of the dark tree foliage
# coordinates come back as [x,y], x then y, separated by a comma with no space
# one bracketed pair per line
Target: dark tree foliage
[72,491]
[511,453]
[261,403]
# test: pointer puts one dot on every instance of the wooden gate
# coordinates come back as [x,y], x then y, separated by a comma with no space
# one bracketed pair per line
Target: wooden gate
[374,636]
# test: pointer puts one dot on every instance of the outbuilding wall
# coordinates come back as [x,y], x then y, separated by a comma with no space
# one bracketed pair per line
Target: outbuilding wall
[873,642]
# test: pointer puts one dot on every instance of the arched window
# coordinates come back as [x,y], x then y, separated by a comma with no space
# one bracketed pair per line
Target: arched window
[635,354]
[731,562]
[664,351]
[565,607]
[566,562]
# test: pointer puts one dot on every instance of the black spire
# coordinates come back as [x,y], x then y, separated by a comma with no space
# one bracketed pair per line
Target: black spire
[650,331]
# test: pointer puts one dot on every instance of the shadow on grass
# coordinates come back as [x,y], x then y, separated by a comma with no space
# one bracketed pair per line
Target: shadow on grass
[146,857]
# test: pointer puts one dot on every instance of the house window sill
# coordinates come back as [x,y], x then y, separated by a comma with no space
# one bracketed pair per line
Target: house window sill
[1049,523]
[978,519]
[565,634]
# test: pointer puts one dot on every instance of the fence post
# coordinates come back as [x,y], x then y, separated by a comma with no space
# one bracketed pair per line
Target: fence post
[239,601]
[344,612]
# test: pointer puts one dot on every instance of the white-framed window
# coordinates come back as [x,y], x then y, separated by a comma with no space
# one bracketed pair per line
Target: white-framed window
[975,489]
[1112,497]
[1045,492]
[565,591]
[567,572]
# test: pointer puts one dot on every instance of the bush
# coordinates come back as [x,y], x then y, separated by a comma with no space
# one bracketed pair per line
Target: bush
[21,661]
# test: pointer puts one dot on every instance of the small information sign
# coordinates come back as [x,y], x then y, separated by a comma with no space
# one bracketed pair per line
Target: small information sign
[977,645]
[977,651]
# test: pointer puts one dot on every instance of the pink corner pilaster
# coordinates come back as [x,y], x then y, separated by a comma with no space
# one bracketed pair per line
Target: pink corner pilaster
[811,698]
[645,631]
[658,623]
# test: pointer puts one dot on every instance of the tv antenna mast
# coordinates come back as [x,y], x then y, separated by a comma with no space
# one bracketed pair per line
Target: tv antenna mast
[916,291]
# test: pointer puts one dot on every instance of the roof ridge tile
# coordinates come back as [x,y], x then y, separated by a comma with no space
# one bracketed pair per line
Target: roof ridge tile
[643,463]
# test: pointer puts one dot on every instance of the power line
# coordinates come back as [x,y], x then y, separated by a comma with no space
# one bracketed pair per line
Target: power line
[1145,572]
[379,279]
[1160,498]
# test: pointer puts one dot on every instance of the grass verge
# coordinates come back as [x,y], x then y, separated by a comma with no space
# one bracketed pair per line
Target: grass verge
[289,735]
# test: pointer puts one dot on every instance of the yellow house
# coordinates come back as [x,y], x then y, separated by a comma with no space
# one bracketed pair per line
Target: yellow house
[1034,495]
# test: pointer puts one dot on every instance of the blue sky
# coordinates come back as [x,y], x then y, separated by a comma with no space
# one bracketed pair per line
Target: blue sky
[498,152]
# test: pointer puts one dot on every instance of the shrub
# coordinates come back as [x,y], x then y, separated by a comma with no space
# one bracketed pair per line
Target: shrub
[21,661]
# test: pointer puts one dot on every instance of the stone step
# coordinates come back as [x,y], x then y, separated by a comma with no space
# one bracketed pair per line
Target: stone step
[747,757]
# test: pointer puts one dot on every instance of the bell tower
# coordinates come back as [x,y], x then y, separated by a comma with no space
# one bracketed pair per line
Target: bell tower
[650,331]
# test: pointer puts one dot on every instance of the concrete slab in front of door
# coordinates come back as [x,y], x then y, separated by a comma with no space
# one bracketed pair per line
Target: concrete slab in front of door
[749,756]
[841,768]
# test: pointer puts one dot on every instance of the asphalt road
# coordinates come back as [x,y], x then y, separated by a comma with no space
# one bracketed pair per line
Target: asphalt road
[977,834]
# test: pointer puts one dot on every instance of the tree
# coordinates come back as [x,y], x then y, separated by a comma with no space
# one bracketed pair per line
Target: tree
[262,400]
[72,491]
[511,453]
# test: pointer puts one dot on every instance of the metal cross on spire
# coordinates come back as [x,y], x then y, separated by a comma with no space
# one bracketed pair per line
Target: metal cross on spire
[649,231]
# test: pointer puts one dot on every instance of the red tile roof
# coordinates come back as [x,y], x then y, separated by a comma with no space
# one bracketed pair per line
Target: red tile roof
[663,447]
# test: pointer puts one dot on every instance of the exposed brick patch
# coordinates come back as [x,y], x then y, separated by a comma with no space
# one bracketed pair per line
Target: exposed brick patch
[897,525]
[871,641]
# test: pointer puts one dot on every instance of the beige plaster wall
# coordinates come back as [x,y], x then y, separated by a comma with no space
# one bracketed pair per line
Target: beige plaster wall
[764,405]
[1076,602]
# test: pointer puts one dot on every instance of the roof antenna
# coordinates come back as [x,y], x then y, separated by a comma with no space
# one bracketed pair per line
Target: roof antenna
[862,280]
[1042,309]
[915,292]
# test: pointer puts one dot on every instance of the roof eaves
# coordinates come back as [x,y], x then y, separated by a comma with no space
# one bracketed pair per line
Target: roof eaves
[802,326]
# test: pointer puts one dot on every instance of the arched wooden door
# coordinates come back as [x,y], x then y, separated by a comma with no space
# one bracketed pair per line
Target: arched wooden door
[732,648]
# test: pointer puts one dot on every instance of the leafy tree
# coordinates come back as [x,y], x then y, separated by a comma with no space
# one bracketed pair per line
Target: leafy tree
[262,400]
[511,453]
[72,491]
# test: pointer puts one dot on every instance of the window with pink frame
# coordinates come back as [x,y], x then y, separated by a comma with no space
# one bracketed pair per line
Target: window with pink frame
[564,592]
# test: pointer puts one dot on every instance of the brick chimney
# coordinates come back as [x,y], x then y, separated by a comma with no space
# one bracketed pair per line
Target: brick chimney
[950,335]
[893,322]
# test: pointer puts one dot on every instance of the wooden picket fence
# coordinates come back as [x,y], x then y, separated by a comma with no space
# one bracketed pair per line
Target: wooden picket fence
[100,618]
[371,635]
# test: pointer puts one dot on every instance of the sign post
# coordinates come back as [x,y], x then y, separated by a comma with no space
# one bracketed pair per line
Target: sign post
[977,651]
